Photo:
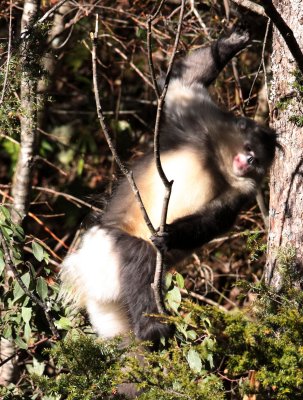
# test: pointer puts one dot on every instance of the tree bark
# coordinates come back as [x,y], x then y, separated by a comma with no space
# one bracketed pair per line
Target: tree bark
[22,176]
[28,118]
[286,183]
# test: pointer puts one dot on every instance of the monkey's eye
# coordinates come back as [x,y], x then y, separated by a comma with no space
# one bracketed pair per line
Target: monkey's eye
[247,147]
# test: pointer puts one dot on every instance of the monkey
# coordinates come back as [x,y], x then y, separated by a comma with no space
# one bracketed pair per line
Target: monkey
[216,161]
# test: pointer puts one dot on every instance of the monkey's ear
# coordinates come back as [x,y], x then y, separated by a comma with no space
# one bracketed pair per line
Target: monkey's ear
[204,65]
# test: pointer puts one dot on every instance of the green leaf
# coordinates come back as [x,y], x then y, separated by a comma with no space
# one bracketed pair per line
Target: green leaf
[2,263]
[194,361]
[5,213]
[26,313]
[173,298]
[182,329]
[7,232]
[63,323]
[26,279]
[37,368]
[180,280]
[38,251]
[7,332]
[20,343]
[18,291]
[192,335]
[18,232]
[27,332]
[80,166]
[168,280]
[210,360]
[42,288]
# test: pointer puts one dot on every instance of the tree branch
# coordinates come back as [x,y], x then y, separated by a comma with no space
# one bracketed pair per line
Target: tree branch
[28,117]
[127,173]
[158,278]
[9,49]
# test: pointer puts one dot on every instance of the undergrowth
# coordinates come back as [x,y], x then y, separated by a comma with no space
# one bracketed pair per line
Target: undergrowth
[214,355]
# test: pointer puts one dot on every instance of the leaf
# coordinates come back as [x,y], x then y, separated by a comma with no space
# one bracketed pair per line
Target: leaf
[7,332]
[173,298]
[168,280]
[26,313]
[37,368]
[180,280]
[5,213]
[7,232]
[26,279]
[194,361]
[27,332]
[192,335]
[63,323]
[182,329]
[2,263]
[18,291]
[38,251]
[18,232]
[210,360]
[42,288]
[80,166]
[20,343]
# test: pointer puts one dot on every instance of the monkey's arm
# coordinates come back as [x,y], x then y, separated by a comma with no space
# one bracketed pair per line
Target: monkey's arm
[215,218]
[205,64]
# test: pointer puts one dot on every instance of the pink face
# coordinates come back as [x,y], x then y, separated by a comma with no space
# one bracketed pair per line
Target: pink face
[243,163]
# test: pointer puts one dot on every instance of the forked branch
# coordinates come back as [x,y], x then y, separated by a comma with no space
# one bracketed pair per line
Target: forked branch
[158,278]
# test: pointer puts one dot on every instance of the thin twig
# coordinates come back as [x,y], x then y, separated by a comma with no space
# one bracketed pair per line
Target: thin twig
[38,220]
[10,265]
[19,351]
[134,67]
[268,26]
[50,164]
[127,173]
[261,63]
[150,19]
[238,85]
[9,46]
[202,298]
[194,10]
[158,278]
[69,197]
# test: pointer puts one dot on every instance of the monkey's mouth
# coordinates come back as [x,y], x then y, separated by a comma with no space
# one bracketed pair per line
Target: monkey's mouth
[243,164]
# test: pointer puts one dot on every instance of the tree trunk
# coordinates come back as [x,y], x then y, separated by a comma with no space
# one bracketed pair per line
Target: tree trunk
[28,117]
[22,176]
[286,183]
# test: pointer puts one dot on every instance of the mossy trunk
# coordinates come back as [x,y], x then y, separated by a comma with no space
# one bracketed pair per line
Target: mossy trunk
[28,113]
[285,247]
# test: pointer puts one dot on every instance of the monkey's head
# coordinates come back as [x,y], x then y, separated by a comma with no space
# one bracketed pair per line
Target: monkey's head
[256,151]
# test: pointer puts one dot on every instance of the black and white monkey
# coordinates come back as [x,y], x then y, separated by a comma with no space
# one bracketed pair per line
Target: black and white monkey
[216,161]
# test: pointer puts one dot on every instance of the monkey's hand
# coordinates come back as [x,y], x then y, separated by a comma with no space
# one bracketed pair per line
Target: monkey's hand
[161,240]
[214,219]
